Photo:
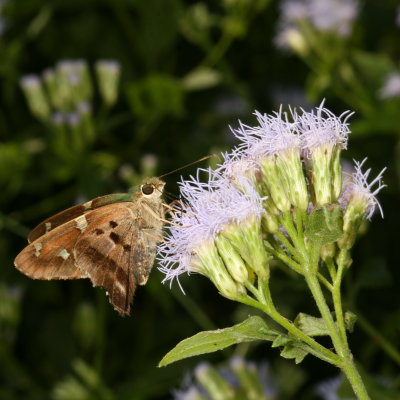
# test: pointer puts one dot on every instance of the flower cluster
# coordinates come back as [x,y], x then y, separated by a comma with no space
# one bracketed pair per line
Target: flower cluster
[239,377]
[335,16]
[283,169]
[62,98]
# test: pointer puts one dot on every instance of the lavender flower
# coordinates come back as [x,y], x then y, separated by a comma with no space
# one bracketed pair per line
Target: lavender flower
[35,95]
[359,201]
[108,74]
[358,192]
[323,136]
[391,87]
[238,376]
[324,15]
[328,389]
[217,227]
[275,145]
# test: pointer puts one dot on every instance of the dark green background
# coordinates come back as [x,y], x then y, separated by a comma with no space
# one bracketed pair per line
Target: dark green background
[58,336]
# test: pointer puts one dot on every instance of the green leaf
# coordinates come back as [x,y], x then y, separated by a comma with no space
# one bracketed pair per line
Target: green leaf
[281,340]
[325,224]
[156,96]
[253,328]
[294,352]
[311,326]
[201,78]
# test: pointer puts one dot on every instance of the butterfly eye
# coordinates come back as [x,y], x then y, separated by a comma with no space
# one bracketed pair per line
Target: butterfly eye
[147,189]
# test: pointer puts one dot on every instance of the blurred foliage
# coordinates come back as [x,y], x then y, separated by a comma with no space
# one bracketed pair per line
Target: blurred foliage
[188,70]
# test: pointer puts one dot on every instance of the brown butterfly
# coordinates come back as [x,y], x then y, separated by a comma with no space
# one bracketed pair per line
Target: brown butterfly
[111,240]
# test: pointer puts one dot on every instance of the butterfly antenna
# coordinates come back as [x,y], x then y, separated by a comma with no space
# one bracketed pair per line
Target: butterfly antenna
[170,196]
[192,163]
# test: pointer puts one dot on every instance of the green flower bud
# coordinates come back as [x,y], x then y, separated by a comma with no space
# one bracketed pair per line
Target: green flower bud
[217,387]
[209,263]
[233,262]
[108,74]
[247,239]
[248,377]
[274,184]
[359,202]
[328,251]
[290,170]
[321,173]
[36,96]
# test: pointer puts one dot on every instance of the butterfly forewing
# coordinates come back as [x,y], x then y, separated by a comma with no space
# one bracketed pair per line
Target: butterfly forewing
[111,240]
[73,212]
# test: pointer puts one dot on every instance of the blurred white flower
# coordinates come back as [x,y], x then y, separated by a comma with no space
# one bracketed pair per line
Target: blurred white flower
[391,87]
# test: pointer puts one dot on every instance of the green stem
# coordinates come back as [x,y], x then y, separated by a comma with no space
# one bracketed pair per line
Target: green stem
[337,301]
[319,350]
[277,252]
[288,245]
[331,268]
[341,347]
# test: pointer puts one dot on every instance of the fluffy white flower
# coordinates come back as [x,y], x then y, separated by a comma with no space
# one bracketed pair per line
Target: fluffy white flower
[358,189]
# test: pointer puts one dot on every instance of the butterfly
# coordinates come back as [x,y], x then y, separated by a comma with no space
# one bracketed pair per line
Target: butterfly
[111,240]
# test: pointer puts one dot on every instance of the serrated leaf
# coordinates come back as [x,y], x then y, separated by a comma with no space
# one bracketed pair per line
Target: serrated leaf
[253,328]
[311,326]
[294,352]
[281,340]
[325,224]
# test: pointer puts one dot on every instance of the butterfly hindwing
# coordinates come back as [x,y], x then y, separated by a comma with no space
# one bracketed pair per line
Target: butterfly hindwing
[118,250]
[50,256]
[104,253]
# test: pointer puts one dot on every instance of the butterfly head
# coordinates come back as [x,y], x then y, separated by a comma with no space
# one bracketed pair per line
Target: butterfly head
[152,188]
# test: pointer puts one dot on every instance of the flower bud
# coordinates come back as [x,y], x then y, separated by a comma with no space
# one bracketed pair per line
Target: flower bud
[233,262]
[213,383]
[35,96]
[209,263]
[359,202]
[247,239]
[108,74]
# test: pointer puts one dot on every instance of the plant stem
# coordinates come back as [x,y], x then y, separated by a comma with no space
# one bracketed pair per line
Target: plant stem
[337,302]
[319,350]
[341,347]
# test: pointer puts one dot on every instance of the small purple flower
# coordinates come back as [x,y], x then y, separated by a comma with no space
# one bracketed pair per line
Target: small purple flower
[58,118]
[328,389]
[30,81]
[273,134]
[73,119]
[324,15]
[206,209]
[359,191]
[391,87]
[321,127]
[84,108]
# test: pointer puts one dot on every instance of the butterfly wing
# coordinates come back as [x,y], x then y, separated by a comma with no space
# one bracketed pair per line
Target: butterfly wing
[114,253]
[114,245]
[48,258]
[74,212]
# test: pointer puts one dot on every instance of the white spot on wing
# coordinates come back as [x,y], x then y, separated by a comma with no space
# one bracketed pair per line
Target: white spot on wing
[48,226]
[81,222]
[88,205]
[38,247]
[63,254]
